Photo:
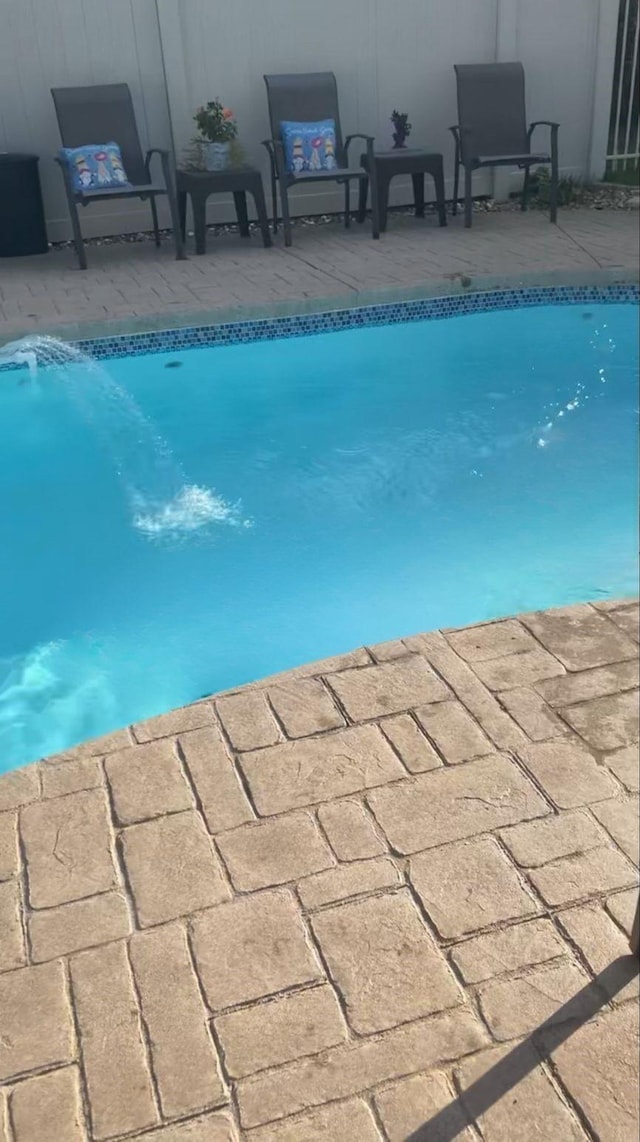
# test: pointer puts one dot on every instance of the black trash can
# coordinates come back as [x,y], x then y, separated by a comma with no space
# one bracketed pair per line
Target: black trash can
[22,224]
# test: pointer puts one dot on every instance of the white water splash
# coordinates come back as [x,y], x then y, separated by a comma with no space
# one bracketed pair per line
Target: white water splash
[54,694]
[25,357]
[191,509]
[162,503]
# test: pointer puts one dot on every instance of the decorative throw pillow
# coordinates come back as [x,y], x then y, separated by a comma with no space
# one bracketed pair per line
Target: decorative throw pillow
[309,146]
[95,167]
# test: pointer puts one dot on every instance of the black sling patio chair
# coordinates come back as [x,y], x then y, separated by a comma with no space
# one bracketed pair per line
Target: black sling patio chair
[104,114]
[309,98]
[492,130]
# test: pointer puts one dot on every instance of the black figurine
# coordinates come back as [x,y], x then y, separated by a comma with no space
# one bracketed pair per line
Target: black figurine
[401,128]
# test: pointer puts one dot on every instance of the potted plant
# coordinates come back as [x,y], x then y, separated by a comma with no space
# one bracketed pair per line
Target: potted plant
[401,128]
[218,127]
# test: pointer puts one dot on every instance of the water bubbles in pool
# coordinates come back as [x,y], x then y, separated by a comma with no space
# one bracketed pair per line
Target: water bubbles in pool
[579,396]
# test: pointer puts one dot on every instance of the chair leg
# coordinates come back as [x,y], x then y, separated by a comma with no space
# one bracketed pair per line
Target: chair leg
[553,193]
[383,200]
[182,213]
[456,180]
[274,198]
[261,211]
[525,188]
[468,200]
[175,222]
[418,194]
[154,215]
[363,191]
[286,217]
[375,202]
[199,207]
[437,173]
[347,203]
[240,201]
[78,240]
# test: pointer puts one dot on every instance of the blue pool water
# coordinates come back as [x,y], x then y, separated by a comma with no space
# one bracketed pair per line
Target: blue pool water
[372,483]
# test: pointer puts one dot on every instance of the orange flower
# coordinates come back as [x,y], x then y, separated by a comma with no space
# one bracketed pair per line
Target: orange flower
[227,113]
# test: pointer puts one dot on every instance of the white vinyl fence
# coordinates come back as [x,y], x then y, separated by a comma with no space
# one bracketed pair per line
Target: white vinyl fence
[176,54]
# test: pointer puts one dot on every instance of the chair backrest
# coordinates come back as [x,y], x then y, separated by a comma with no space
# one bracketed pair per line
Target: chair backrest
[304,98]
[491,109]
[101,114]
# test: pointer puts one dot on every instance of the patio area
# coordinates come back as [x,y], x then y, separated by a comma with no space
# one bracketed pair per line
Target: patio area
[382,897]
[136,286]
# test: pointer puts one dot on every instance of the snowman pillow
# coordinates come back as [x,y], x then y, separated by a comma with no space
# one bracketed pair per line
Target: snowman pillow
[309,146]
[95,167]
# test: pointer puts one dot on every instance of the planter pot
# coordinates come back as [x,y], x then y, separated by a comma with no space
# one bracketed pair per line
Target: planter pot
[217,156]
[399,140]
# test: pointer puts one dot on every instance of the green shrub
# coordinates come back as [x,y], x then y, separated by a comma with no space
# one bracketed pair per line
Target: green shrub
[540,188]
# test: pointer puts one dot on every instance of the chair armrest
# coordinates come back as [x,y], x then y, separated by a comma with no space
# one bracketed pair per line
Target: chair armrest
[165,159]
[460,134]
[368,139]
[72,193]
[553,127]
[275,150]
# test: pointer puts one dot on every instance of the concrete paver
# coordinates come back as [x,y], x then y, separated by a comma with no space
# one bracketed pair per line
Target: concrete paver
[535,1104]
[406,1105]
[507,949]
[350,830]
[353,879]
[384,962]
[269,1034]
[114,1055]
[469,885]
[273,852]
[49,1106]
[600,1073]
[156,854]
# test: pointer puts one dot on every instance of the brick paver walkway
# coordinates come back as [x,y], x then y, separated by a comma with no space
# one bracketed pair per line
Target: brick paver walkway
[390,890]
[131,285]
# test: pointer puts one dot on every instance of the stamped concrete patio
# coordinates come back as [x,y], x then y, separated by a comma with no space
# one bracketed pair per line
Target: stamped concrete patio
[384,897]
[130,286]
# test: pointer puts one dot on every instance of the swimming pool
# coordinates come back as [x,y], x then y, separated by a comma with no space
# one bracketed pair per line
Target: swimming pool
[352,486]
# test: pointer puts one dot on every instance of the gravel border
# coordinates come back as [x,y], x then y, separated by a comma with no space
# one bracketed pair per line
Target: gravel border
[607,196]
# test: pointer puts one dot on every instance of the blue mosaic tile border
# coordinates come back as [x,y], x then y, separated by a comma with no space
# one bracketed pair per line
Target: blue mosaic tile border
[329,321]
[299,325]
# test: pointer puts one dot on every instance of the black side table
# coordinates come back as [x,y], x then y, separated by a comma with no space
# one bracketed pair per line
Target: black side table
[238,181]
[403,160]
[22,226]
